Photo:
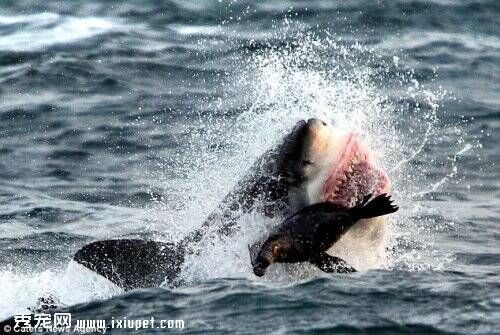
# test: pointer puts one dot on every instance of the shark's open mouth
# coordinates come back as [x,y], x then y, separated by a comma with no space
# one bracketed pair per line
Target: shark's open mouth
[354,176]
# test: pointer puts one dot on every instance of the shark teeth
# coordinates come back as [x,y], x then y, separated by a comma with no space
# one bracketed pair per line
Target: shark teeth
[356,159]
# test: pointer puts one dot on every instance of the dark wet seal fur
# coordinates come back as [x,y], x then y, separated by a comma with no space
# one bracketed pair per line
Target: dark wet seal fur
[309,233]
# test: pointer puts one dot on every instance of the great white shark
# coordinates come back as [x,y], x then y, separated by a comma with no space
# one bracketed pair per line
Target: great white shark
[316,162]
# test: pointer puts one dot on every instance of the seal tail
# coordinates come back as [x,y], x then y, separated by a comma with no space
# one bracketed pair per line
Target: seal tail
[380,205]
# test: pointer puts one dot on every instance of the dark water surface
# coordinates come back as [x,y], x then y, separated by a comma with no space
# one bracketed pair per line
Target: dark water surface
[122,119]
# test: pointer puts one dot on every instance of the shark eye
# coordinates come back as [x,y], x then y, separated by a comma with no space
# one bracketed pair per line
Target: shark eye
[307,162]
[324,123]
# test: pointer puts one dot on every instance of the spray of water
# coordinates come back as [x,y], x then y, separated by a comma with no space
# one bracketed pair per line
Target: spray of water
[356,89]
[308,75]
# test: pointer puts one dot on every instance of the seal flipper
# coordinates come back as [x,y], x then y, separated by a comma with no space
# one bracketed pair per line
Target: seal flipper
[133,263]
[329,264]
[378,206]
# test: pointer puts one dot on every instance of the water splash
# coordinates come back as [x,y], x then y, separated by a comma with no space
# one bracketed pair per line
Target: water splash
[355,88]
[73,285]
[296,75]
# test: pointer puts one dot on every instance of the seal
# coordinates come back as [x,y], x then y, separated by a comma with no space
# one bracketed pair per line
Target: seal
[315,162]
[309,233]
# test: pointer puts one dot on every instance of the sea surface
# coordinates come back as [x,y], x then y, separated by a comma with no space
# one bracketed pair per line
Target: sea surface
[135,118]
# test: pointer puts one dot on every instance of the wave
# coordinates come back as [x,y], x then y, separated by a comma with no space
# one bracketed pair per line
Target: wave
[196,30]
[74,285]
[381,301]
[36,32]
[427,39]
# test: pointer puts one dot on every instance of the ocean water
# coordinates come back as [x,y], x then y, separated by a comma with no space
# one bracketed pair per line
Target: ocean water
[134,119]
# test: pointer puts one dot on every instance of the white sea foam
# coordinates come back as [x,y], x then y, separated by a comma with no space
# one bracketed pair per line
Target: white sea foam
[75,284]
[38,31]
[420,39]
[34,19]
[196,30]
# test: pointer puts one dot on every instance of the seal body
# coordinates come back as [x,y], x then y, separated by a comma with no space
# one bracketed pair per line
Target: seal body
[308,234]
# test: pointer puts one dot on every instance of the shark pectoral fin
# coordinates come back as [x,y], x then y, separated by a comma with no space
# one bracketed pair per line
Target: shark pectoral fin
[329,264]
[133,263]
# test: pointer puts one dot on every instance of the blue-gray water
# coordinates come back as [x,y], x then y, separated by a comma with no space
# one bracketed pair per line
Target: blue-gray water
[122,119]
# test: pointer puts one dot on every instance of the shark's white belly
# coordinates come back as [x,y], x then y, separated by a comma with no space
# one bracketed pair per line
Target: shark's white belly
[364,245]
